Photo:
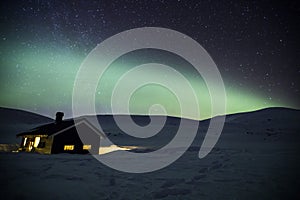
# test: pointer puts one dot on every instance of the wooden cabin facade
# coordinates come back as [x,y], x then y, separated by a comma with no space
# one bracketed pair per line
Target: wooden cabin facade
[62,137]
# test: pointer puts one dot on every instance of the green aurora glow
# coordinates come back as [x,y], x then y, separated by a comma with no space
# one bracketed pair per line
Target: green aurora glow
[41,79]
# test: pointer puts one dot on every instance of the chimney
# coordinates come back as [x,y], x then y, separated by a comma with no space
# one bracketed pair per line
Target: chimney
[59,117]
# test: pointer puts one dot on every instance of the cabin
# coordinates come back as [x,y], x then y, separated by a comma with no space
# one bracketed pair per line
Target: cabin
[61,136]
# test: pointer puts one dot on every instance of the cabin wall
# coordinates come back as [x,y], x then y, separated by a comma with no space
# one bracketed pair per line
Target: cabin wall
[71,137]
[44,146]
[26,147]
[91,137]
[47,148]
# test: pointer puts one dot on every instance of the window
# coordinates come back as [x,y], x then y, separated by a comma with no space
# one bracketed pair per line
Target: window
[36,141]
[87,147]
[25,140]
[69,147]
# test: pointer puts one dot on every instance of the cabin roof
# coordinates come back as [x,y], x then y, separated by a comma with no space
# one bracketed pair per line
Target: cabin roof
[57,128]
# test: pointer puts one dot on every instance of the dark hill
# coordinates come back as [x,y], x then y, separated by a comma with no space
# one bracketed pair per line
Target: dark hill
[13,121]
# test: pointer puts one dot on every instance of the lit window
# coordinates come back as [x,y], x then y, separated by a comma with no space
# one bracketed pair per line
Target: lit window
[36,141]
[69,147]
[25,140]
[87,147]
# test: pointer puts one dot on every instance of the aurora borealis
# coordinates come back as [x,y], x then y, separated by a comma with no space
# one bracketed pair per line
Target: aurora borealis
[43,43]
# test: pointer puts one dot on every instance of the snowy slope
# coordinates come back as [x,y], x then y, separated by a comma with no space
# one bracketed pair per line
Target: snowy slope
[13,121]
[256,157]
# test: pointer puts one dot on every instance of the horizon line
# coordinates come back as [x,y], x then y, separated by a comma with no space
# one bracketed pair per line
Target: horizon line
[158,115]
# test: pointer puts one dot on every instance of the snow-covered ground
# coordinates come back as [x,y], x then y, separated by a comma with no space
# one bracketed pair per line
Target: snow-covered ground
[257,157]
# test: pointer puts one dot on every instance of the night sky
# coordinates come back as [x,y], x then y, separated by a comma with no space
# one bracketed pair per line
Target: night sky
[255,45]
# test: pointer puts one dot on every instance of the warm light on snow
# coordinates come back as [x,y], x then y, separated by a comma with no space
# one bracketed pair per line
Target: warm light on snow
[105,150]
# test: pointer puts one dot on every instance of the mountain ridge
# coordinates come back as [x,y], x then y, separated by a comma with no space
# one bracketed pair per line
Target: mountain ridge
[14,121]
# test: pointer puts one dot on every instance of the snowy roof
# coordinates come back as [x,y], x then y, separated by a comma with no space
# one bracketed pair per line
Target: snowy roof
[56,128]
